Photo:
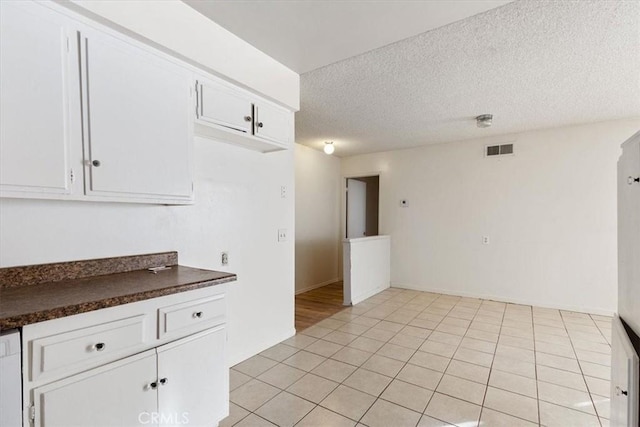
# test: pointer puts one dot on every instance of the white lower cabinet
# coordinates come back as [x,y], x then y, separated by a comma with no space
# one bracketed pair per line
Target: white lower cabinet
[189,391]
[103,376]
[117,394]
[625,378]
[171,385]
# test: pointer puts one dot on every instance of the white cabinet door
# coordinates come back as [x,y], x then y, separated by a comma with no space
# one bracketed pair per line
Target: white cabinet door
[194,379]
[138,123]
[225,107]
[115,395]
[36,50]
[273,124]
[625,388]
[629,233]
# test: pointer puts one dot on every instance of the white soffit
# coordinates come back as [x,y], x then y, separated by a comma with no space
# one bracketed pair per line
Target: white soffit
[308,34]
[532,64]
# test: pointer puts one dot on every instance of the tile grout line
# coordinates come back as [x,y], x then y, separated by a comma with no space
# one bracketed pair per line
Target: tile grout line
[402,307]
[280,391]
[580,367]
[403,366]
[486,390]
[535,365]
[452,358]
[357,367]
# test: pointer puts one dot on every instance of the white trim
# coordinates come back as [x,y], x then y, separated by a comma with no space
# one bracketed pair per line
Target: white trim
[246,355]
[357,299]
[542,304]
[316,286]
[353,240]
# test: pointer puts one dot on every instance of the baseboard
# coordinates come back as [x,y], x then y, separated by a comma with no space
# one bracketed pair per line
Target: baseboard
[371,292]
[317,285]
[542,304]
[247,355]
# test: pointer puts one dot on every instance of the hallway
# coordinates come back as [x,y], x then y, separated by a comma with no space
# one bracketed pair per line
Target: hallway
[318,304]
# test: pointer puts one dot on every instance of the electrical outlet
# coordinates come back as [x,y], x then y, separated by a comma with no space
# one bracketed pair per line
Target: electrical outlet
[224,258]
[485,240]
[282,235]
[283,191]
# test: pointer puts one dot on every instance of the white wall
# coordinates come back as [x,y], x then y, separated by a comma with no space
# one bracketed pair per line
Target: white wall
[317,218]
[367,265]
[181,29]
[238,209]
[549,211]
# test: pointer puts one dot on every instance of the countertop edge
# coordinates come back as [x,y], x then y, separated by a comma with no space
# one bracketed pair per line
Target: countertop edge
[72,309]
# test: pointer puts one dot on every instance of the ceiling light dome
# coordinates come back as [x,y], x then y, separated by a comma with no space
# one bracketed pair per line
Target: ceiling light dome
[329,147]
[484,120]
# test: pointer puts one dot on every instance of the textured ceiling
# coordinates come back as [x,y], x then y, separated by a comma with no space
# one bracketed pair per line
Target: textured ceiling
[532,64]
[308,34]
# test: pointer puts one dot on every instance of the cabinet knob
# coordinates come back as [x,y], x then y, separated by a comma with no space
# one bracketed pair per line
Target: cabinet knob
[260,124]
[153,385]
[247,118]
[619,391]
[198,314]
[631,180]
[100,346]
[164,381]
[96,163]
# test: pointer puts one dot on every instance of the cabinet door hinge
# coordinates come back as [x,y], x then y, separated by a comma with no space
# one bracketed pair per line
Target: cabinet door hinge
[72,176]
[32,413]
[67,44]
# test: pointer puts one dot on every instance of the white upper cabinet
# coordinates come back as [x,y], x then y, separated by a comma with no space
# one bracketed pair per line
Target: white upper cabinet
[89,114]
[273,123]
[138,128]
[223,106]
[37,53]
[230,114]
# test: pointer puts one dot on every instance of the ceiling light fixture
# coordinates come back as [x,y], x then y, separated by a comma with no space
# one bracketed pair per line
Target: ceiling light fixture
[329,147]
[484,120]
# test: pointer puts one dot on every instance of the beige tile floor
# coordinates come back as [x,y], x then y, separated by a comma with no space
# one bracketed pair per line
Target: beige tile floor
[408,358]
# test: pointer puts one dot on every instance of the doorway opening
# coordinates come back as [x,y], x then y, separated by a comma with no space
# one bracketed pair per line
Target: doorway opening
[363,197]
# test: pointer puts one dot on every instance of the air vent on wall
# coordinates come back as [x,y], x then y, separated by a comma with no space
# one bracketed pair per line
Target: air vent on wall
[498,150]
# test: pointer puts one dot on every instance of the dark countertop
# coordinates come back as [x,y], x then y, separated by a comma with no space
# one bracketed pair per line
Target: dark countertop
[22,305]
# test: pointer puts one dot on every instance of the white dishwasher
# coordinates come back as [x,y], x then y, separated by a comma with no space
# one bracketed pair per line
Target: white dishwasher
[10,379]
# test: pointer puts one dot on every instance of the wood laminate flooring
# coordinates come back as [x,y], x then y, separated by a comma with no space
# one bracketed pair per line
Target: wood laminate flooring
[318,304]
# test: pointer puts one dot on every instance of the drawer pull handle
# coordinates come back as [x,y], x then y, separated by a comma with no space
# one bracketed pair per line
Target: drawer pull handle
[260,124]
[247,118]
[164,381]
[198,314]
[100,346]
[153,385]
[631,180]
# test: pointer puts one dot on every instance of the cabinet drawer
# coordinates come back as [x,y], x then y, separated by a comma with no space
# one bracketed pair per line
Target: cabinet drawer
[191,316]
[85,347]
